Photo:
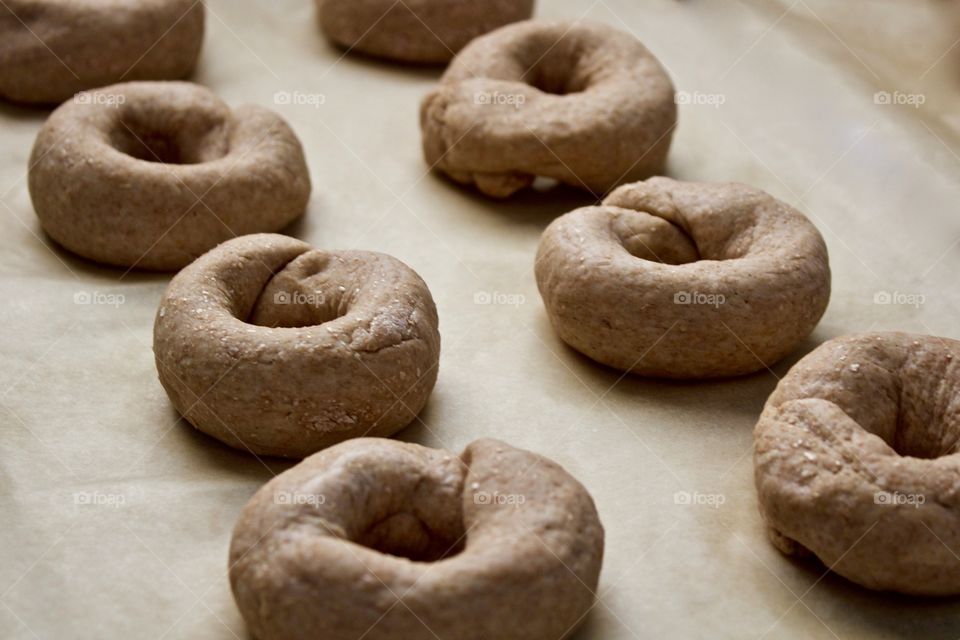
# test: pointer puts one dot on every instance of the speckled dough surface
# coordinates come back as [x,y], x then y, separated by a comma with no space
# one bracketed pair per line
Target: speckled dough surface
[684,279]
[51,49]
[279,349]
[583,103]
[504,544]
[153,174]
[424,31]
[857,460]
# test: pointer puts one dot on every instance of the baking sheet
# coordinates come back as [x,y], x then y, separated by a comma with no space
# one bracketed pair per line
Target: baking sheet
[116,516]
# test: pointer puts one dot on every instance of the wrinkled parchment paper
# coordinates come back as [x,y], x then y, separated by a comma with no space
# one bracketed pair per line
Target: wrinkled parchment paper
[116,516]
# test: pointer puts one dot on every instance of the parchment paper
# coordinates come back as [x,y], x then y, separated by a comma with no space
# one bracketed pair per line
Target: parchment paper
[116,516]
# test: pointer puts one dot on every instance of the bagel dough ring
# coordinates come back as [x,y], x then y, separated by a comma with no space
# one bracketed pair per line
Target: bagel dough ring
[582,103]
[684,279]
[280,349]
[51,49]
[496,543]
[418,31]
[154,174]
[857,461]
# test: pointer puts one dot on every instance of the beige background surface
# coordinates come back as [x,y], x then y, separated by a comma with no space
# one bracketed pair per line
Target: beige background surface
[84,418]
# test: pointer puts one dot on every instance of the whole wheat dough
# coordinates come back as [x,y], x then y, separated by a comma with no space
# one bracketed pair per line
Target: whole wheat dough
[383,540]
[51,49]
[419,31]
[153,174]
[580,102]
[684,279]
[277,348]
[857,460]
